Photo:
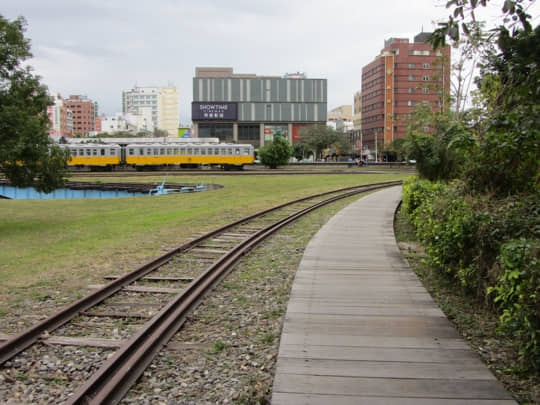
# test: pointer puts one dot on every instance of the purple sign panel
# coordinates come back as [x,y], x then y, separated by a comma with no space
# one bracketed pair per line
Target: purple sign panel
[213,111]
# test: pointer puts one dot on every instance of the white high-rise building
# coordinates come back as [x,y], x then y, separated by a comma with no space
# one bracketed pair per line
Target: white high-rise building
[161,101]
[168,110]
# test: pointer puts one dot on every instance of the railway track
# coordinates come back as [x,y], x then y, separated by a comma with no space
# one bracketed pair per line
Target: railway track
[147,313]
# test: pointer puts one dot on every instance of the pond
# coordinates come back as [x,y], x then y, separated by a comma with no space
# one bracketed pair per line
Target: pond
[29,193]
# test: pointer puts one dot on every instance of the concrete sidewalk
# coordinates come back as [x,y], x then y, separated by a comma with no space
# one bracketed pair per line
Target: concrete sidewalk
[361,329]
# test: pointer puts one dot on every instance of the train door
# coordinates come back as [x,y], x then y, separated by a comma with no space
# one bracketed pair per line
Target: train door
[123,155]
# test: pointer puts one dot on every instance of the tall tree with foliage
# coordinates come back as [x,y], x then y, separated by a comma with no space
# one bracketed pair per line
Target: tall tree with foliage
[27,156]
[317,138]
[276,153]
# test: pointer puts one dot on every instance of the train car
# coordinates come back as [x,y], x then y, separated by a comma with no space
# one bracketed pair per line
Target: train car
[94,155]
[228,156]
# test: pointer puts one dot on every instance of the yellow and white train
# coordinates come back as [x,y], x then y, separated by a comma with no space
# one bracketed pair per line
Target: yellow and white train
[154,155]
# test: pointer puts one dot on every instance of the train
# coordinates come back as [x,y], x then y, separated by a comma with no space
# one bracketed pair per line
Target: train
[142,156]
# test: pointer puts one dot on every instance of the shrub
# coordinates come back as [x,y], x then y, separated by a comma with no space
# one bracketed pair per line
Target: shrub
[417,193]
[276,153]
[517,296]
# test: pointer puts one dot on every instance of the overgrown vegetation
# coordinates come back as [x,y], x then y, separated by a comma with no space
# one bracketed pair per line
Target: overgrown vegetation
[476,205]
[489,248]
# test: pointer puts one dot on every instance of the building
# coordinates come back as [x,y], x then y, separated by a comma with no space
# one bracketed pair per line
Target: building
[340,118]
[54,111]
[357,110]
[117,123]
[84,112]
[247,108]
[168,110]
[402,76]
[343,112]
[162,102]
[60,118]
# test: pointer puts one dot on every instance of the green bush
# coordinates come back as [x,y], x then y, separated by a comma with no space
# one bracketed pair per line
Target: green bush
[449,226]
[276,153]
[517,296]
[417,192]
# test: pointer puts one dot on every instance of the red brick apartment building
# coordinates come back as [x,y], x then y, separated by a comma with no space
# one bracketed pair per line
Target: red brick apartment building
[402,76]
[83,114]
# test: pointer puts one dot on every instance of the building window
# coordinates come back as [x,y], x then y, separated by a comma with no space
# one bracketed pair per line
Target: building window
[411,65]
[411,77]
[425,78]
[425,90]
[425,65]
[411,90]
[410,103]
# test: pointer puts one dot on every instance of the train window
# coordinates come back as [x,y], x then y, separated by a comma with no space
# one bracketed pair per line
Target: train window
[182,151]
[237,151]
[131,152]
[88,152]
[94,152]
[112,152]
[162,151]
[175,151]
[141,151]
[102,152]
[203,151]
[73,152]
[189,151]
[216,151]
[195,151]
[223,151]
[246,151]
[149,151]
[230,151]
[81,152]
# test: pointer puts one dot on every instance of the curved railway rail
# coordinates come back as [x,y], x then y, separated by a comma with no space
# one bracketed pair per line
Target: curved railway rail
[217,252]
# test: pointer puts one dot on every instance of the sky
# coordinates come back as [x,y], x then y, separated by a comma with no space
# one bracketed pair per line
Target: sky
[99,48]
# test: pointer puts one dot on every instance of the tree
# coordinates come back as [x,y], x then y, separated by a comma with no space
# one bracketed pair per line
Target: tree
[398,147]
[276,153]
[301,152]
[317,138]
[507,159]
[438,142]
[27,155]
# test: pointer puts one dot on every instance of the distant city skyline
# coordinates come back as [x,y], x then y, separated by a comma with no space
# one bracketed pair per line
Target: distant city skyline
[101,48]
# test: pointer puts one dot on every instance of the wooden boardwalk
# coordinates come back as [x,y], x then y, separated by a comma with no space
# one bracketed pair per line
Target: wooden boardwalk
[361,329]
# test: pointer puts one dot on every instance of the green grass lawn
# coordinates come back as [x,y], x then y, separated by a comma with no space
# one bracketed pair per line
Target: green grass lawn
[66,244]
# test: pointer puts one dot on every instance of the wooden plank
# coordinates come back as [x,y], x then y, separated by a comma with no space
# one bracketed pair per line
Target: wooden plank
[391,369]
[82,341]
[203,250]
[155,278]
[391,387]
[141,289]
[114,315]
[280,398]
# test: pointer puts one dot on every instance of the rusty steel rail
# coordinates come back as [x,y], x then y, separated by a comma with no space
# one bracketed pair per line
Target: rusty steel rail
[115,377]
[20,342]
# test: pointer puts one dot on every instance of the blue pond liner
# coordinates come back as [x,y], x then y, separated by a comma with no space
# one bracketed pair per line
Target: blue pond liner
[29,193]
